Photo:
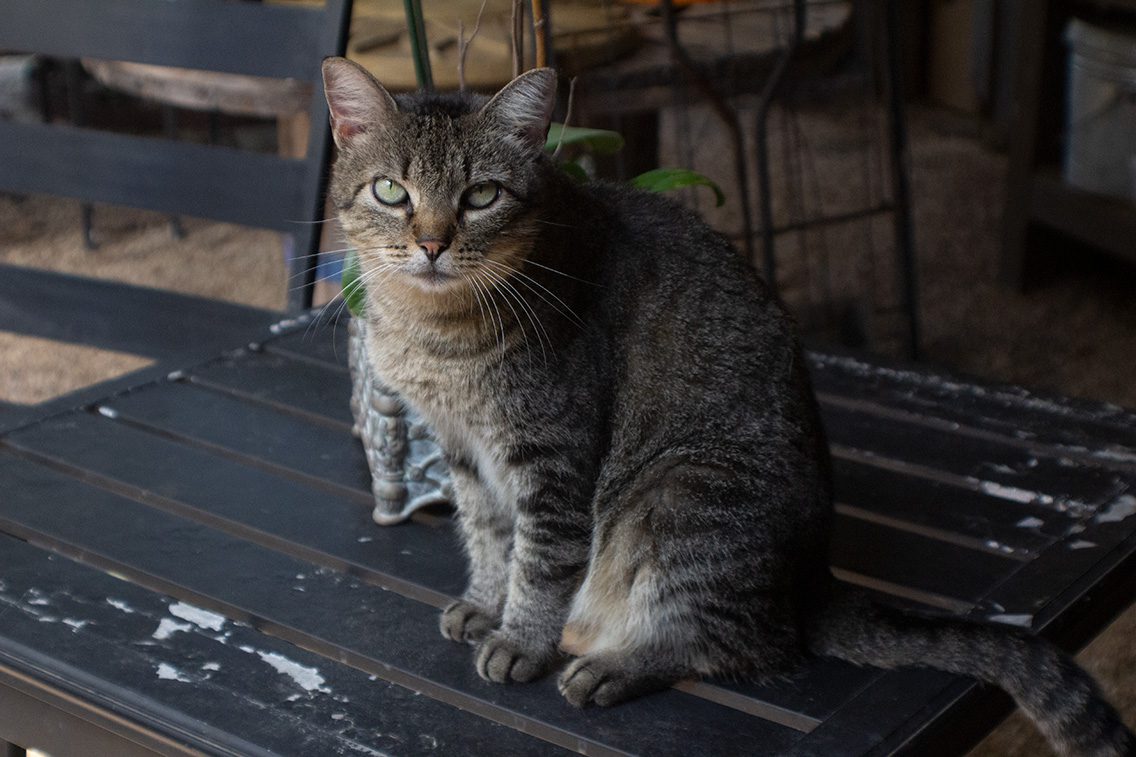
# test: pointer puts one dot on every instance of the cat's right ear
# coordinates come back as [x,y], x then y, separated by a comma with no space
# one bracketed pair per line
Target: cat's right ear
[356,101]
[524,106]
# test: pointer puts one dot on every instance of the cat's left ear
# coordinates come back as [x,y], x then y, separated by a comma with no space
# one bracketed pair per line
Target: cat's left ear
[356,101]
[524,106]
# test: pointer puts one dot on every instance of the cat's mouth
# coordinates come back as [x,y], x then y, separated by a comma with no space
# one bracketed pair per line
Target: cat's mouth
[434,276]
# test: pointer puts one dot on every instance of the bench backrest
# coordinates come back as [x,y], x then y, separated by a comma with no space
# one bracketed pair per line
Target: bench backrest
[258,39]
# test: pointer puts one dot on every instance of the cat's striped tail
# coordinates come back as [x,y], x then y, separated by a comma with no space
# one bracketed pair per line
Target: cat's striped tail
[1060,697]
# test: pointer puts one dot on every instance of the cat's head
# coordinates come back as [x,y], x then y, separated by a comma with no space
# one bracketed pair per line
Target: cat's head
[437,193]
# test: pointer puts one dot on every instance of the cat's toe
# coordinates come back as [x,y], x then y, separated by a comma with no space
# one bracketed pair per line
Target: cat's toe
[466,622]
[502,660]
[606,679]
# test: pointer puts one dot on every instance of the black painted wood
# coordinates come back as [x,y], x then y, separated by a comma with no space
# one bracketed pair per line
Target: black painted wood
[962,406]
[946,512]
[290,385]
[321,340]
[277,534]
[918,564]
[417,561]
[379,632]
[1000,470]
[163,325]
[209,181]
[286,444]
[261,39]
[207,681]
[212,35]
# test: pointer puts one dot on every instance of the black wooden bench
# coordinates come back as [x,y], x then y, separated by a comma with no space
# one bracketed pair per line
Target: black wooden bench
[190,566]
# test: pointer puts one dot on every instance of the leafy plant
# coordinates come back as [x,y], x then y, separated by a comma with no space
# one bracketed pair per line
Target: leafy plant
[667,179]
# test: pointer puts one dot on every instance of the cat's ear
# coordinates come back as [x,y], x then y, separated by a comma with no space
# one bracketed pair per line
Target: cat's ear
[524,106]
[356,101]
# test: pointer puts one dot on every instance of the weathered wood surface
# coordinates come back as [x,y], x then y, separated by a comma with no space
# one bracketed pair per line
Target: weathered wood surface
[193,563]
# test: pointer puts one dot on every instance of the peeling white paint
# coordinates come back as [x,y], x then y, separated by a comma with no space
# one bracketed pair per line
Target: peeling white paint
[365,539]
[121,606]
[1012,619]
[1012,493]
[167,628]
[1030,522]
[1000,547]
[197,616]
[1082,544]
[168,672]
[309,679]
[78,625]
[1122,507]
[214,666]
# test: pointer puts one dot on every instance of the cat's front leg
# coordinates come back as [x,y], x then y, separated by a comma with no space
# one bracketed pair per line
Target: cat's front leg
[487,531]
[550,552]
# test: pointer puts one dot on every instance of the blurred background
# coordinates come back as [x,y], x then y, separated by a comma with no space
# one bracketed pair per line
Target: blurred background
[945,181]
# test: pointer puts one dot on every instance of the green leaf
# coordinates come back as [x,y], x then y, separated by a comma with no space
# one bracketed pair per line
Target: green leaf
[575,170]
[352,284]
[598,141]
[667,179]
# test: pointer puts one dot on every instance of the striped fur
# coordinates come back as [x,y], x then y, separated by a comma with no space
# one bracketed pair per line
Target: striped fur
[642,478]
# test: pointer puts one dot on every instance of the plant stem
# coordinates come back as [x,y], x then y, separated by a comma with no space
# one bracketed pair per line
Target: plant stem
[538,33]
[416,25]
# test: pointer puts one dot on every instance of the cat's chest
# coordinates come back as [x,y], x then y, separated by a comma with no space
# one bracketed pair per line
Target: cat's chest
[453,394]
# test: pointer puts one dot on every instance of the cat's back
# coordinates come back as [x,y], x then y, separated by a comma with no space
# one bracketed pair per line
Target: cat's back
[680,287]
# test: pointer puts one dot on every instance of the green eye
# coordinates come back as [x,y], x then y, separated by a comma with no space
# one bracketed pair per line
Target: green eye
[482,195]
[389,192]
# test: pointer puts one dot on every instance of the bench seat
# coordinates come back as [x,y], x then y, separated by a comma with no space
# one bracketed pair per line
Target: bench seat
[189,565]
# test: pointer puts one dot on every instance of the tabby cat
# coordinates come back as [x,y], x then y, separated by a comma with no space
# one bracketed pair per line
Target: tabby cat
[570,344]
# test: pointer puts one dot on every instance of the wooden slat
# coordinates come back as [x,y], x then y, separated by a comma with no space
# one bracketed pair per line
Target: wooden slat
[322,341]
[421,562]
[957,515]
[315,389]
[377,631]
[945,402]
[999,470]
[883,717]
[138,320]
[928,570]
[285,41]
[1062,575]
[290,446]
[132,652]
[211,181]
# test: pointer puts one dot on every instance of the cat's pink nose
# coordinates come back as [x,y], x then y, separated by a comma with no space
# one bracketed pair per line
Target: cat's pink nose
[433,248]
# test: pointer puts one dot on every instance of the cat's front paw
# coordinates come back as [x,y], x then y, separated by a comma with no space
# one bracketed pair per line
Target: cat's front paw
[607,678]
[501,659]
[466,622]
